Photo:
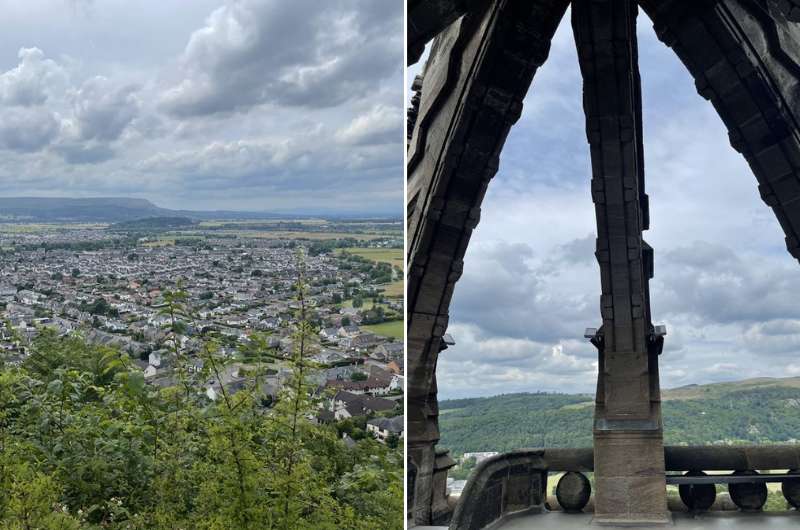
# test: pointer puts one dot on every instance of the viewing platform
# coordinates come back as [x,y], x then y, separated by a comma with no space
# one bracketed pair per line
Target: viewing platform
[731,520]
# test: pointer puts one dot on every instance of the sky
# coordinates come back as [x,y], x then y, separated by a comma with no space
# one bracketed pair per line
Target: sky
[725,286]
[262,105]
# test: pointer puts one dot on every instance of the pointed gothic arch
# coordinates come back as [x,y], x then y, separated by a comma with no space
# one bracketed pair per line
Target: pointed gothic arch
[745,58]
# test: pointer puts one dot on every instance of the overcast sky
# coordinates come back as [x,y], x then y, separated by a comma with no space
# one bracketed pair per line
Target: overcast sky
[724,284]
[205,104]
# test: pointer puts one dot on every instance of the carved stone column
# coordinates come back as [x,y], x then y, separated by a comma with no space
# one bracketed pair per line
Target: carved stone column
[628,446]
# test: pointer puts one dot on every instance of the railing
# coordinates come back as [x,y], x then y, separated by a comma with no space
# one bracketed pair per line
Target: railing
[515,483]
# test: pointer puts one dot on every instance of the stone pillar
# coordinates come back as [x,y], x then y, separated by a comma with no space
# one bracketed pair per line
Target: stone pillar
[478,72]
[628,446]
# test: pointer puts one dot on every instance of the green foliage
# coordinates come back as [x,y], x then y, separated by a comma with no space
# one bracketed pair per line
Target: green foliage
[510,421]
[462,471]
[86,442]
[99,307]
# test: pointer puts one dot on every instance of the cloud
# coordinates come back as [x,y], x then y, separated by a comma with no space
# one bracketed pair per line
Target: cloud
[103,110]
[27,129]
[32,81]
[724,284]
[380,125]
[302,53]
[233,104]
[483,365]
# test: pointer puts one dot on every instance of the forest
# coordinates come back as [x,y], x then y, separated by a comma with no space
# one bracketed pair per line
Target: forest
[729,414]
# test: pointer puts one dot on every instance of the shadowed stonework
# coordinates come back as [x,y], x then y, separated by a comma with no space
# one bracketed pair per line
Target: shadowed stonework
[745,58]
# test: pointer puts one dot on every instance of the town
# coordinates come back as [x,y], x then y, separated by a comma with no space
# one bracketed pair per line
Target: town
[111,285]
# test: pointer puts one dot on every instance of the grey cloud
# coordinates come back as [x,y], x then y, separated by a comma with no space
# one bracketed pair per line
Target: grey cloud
[302,53]
[715,284]
[258,104]
[84,153]
[32,81]
[724,284]
[102,110]
[508,291]
[27,129]
[775,336]
[380,125]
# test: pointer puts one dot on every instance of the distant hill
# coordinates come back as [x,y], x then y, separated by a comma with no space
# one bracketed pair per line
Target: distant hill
[109,209]
[103,210]
[154,223]
[764,410]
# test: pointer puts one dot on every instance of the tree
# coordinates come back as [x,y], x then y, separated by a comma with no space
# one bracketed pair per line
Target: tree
[358,376]
[76,272]
[87,442]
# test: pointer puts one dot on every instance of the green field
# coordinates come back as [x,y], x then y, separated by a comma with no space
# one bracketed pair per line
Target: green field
[33,228]
[287,234]
[394,289]
[392,256]
[394,329]
[368,304]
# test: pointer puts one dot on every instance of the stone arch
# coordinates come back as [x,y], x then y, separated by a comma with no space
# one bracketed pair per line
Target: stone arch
[743,54]
[480,70]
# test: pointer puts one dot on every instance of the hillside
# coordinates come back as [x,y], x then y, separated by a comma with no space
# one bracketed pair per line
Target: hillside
[118,209]
[750,411]
[102,210]
[108,209]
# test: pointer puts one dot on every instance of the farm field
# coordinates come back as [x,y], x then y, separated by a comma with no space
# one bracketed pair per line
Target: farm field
[32,228]
[394,289]
[290,234]
[392,256]
[394,329]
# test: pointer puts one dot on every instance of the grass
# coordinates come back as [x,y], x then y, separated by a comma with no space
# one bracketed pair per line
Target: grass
[394,289]
[32,228]
[366,307]
[392,256]
[286,234]
[394,329]
[221,223]
[715,390]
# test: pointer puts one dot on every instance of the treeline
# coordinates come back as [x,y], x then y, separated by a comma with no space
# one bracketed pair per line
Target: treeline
[511,421]
[77,246]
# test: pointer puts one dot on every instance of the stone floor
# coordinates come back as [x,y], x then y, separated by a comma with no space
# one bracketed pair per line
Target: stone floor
[681,521]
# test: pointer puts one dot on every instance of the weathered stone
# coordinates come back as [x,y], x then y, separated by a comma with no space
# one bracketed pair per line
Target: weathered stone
[573,491]
[697,497]
[748,496]
[791,490]
[745,59]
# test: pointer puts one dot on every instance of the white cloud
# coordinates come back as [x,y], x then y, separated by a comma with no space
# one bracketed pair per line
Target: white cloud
[27,129]
[380,125]
[302,53]
[232,104]
[102,110]
[32,81]
[724,284]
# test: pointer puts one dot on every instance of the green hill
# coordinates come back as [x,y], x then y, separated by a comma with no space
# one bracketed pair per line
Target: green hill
[752,411]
